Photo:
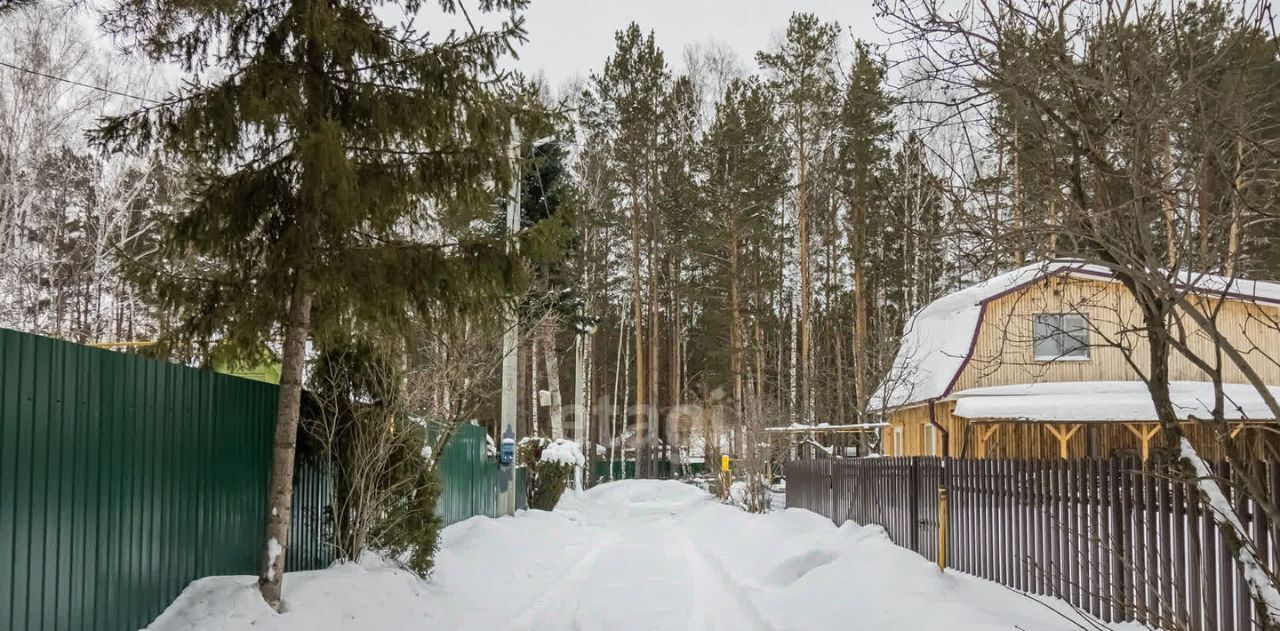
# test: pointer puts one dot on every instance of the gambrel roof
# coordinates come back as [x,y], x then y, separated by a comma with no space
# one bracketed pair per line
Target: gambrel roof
[938,340]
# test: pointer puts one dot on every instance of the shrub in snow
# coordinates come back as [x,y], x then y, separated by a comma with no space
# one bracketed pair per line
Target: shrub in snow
[718,484]
[529,451]
[550,464]
[410,530]
[752,494]
[385,485]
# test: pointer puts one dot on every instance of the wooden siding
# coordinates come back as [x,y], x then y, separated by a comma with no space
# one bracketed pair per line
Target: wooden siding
[1015,439]
[913,421]
[1002,353]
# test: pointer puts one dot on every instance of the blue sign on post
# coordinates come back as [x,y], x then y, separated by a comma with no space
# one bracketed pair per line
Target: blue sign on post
[507,454]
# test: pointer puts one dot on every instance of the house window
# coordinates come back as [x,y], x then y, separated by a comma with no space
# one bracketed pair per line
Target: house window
[930,441]
[897,441]
[1060,336]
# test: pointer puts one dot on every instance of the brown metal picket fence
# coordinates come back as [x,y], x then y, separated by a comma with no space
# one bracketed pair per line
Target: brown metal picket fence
[1117,538]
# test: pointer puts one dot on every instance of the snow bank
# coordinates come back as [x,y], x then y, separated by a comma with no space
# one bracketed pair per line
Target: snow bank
[564,452]
[369,595]
[633,555]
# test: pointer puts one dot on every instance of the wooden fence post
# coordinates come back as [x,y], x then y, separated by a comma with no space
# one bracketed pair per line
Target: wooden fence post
[942,527]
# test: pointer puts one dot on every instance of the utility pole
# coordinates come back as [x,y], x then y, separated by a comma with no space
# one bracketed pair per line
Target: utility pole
[510,357]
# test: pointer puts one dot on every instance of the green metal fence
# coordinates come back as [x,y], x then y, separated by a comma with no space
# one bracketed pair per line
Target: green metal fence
[123,478]
[626,470]
[472,479]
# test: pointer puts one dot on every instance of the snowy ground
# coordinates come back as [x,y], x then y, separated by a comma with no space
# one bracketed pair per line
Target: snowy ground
[632,555]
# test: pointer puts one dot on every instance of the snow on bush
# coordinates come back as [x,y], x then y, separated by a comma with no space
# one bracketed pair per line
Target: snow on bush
[752,495]
[551,464]
[564,452]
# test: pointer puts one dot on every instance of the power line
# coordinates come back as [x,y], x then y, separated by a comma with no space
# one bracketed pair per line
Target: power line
[77,83]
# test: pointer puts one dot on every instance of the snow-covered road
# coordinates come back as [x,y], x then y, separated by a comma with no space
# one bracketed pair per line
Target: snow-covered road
[634,555]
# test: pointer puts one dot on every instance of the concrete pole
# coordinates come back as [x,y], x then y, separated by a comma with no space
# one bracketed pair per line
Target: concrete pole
[507,492]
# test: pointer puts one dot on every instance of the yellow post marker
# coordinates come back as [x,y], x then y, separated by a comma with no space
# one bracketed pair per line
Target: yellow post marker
[725,480]
[942,529]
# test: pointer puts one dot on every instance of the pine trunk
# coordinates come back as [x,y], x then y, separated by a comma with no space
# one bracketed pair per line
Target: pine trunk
[1204,202]
[735,328]
[1233,234]
[554,412]
[1170,239]
[637,321]
[1019,212]
[802,219]
[841,406]
[860,371]
[655,429]
[860,300]
[288,406]
[759,330]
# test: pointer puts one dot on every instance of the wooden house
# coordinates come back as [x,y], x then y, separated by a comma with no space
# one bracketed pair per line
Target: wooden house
[1040,362]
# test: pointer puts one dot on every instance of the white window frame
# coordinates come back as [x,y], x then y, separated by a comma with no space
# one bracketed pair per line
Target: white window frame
[1061,326]
[897,440]
[930,440]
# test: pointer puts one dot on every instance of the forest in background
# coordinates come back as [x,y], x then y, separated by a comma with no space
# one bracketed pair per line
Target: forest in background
[751,230]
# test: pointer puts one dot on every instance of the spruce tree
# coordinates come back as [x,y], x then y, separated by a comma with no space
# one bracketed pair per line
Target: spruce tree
[328,152]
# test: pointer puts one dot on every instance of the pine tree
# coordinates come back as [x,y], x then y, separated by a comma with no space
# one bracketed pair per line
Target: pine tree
[866,128]
[674,224]
[802,75]
[328,152]
[744,165]
[624,105]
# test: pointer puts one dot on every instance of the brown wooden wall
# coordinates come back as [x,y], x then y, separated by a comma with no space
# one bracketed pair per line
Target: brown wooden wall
[913,421]
[1002,353]
[1015,439]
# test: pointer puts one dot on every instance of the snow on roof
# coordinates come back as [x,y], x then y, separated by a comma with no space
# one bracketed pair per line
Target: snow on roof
[825,427]
[937,340]
[1238,288]
[1079,401]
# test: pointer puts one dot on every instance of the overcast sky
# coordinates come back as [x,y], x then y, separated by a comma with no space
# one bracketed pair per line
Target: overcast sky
[573,37]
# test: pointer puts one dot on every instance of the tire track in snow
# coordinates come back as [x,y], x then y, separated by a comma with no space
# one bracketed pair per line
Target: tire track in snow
[719,601]
[557,607]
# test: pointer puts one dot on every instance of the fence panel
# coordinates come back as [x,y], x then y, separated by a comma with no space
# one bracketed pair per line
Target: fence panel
[471,478]
[123,478]
[1120,539]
